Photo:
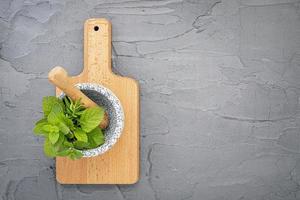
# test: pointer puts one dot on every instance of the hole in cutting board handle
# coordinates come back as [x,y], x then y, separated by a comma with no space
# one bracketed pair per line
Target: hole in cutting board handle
[96,28]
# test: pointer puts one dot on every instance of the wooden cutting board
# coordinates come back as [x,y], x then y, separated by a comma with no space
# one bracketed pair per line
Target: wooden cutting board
[120,165]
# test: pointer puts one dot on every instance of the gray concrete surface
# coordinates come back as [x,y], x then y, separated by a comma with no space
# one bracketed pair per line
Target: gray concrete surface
[220,85]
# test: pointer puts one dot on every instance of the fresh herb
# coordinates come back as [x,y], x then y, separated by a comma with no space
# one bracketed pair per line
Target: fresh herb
[68,127]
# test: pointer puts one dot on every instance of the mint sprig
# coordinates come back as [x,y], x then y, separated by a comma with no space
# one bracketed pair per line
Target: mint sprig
[68,127]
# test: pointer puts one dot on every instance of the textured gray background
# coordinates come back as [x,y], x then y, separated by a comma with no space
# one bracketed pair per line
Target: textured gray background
[220,86]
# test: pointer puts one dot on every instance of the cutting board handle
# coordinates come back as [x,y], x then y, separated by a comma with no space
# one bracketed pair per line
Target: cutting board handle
[97,48]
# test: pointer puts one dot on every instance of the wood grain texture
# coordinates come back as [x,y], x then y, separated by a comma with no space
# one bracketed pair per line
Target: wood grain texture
[120,165]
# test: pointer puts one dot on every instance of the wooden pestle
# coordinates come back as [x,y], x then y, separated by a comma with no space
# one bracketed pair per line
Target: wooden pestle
[59,77]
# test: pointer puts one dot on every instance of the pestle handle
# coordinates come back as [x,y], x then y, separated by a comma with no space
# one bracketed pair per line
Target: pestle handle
[59,77]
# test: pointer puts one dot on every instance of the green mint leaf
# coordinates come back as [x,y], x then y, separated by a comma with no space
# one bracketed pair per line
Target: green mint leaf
[91,118]
[78,153]
[53,137]
[49,102]
[55,115]
[91,143]
[38,129]
[68,122]
[64,152]
[53,118]
[59,144]
[50,128]
[68,144]
[75,154]
[80,135]
[97,136]
[47,128]
[80,145]
[70,136]
[63,128]
[49,149]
